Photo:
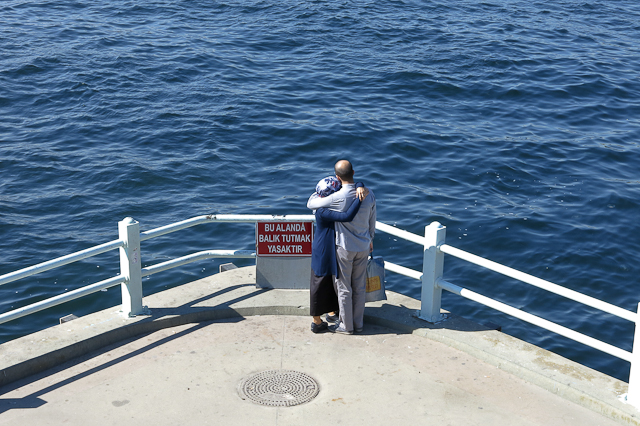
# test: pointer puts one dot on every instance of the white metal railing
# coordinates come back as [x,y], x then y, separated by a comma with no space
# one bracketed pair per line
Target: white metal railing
[61,261]
[131,271]
[431,276]
[546,285]
[433,283]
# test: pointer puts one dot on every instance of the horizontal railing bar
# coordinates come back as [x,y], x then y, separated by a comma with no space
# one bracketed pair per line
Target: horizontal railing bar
[194,257]
[400,233]
[261,218]
[411,273]
[172,227]
[533,319]
[198,220]
[60,261]
[546,285]
[62,298]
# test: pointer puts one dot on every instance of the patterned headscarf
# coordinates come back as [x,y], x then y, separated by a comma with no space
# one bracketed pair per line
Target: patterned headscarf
[328,186]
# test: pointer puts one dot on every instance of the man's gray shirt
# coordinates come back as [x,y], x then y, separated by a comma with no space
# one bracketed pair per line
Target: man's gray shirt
[357,234]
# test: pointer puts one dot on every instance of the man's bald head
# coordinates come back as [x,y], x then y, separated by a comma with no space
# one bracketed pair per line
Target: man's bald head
[344,171]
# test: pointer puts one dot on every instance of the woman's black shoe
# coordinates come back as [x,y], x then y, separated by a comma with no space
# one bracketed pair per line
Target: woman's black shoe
[319,328]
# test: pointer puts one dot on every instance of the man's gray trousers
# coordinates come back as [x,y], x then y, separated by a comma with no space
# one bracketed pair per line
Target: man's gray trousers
[351,286]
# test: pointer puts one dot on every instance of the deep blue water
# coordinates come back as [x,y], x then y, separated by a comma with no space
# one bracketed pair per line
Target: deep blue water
[513,123]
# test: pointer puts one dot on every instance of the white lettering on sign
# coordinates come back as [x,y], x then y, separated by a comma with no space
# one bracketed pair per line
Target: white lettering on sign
[295,238]
[284,249]
[291,227]
[269,238]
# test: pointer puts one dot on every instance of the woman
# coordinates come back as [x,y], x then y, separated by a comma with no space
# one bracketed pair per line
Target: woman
[324,267]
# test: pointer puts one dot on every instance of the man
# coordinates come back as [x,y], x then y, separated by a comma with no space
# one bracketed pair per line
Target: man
[354,242]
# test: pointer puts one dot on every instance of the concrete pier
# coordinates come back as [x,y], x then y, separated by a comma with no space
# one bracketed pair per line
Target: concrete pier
[183,365]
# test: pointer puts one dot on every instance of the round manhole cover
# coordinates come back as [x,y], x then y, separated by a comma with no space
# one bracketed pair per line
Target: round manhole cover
[279,388]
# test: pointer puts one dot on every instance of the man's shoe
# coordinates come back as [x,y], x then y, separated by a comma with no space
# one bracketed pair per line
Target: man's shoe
[358,330]
[332,318]
[339,328]
[319,328]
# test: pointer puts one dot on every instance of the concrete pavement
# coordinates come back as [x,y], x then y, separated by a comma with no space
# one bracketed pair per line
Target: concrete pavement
[189,375]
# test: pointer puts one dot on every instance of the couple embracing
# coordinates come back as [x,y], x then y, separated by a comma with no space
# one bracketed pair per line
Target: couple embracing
[345,225]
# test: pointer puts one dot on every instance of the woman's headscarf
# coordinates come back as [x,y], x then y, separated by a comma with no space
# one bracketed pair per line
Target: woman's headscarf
[328,186]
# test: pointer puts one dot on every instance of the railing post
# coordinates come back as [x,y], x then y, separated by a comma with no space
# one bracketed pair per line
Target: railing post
[432,266]
[130,267]
[633,393]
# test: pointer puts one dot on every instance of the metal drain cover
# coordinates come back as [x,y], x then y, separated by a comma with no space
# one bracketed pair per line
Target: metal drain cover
[279,388]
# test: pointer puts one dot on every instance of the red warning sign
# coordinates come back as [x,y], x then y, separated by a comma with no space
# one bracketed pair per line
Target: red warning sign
[284,238]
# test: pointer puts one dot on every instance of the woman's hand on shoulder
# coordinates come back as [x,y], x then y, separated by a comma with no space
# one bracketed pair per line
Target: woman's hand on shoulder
[362,193]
